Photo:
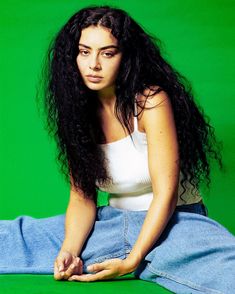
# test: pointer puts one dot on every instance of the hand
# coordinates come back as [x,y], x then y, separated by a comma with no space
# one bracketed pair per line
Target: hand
[66,265]
[108,269]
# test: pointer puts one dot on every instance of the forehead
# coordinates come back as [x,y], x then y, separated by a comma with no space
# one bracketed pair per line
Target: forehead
[94,36]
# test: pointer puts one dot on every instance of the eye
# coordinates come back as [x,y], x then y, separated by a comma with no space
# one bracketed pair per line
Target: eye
[83,52]
[109,54]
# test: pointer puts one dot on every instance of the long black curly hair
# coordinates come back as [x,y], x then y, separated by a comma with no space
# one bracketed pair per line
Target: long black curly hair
[70,107]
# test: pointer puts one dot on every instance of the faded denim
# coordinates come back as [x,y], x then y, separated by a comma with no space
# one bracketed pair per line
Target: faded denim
[194,254]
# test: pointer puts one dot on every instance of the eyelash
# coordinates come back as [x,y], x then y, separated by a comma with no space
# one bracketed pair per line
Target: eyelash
[110,54]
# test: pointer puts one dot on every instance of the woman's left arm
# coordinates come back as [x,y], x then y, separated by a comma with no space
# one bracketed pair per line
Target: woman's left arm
[163,162]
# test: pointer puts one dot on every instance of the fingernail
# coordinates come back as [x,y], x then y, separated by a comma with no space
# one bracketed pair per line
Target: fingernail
[89,267]
[61,268]
[72,265]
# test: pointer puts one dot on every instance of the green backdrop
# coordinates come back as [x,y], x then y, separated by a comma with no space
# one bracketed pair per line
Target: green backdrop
[199,40]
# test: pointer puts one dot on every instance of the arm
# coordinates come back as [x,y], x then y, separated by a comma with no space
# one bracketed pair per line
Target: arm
[163,161]
[79,220]
[80,217]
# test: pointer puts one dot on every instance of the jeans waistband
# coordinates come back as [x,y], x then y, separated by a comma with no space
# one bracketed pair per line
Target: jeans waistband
[194,208]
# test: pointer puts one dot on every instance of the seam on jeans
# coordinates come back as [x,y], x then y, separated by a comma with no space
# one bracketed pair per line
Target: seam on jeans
[183,282]
[127,247]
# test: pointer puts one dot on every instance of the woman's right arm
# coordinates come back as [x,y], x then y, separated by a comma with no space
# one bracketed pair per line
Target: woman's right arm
[79,220]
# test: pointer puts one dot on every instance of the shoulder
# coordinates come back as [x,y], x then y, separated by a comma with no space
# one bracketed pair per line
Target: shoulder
[152,104]
[151,95]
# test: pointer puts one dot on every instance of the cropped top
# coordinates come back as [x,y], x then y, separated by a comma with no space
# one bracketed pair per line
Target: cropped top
[127,164]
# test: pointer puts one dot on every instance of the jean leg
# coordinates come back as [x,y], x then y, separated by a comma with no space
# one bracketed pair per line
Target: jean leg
[30,245]
[195,254]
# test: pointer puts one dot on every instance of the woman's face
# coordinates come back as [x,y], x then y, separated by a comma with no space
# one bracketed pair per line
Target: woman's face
[99,56]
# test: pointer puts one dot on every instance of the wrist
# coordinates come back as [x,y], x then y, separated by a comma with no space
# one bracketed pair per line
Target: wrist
[70,249]
[132,262]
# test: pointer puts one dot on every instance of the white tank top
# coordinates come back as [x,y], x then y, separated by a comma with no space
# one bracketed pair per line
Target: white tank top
[127,164]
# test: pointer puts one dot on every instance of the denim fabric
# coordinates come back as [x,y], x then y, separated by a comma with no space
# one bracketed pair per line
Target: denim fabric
[194,254]
[30,245]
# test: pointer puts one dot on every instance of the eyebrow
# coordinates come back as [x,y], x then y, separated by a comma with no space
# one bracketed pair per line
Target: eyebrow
[105,47]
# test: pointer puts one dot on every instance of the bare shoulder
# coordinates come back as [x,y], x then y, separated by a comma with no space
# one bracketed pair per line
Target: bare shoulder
[150,102]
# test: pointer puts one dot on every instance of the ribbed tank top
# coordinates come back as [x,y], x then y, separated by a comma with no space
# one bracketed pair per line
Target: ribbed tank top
[127,164]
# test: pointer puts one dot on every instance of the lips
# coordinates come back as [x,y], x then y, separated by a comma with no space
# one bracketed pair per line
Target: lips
[94,79]
[94,76]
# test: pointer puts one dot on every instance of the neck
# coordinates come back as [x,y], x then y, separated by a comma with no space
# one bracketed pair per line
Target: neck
[107,99]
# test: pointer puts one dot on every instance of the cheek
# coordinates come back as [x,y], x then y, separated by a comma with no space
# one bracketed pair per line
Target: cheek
[80,64]
[115,69]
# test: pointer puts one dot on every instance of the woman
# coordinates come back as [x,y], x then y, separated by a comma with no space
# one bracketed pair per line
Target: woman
[125,124]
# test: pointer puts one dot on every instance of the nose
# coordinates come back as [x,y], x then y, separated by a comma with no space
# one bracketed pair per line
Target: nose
[94,63]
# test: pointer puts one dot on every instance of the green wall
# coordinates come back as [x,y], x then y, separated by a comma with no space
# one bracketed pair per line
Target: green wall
[199,40]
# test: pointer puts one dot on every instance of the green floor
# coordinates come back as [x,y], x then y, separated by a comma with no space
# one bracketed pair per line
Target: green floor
[45,284]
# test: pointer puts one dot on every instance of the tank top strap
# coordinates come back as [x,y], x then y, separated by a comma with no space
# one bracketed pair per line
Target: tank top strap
[135,116]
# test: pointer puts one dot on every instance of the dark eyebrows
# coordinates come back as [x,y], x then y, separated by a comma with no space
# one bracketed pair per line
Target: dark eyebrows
[102,48]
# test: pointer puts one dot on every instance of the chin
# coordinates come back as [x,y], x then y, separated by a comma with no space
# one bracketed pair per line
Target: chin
[95,86]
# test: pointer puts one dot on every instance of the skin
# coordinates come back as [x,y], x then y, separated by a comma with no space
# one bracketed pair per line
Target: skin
[163,157]
[97,61]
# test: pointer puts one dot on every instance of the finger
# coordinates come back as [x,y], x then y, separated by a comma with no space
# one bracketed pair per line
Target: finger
[66,274]
[90,277]
[96,267]
[79,269]
[78,259]
[105,265]
[81,278]
[59,272]
[73,268]
[57,275]
[60,264]
[66,263]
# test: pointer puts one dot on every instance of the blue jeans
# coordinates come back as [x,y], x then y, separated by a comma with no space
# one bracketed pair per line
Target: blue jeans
[194,254]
